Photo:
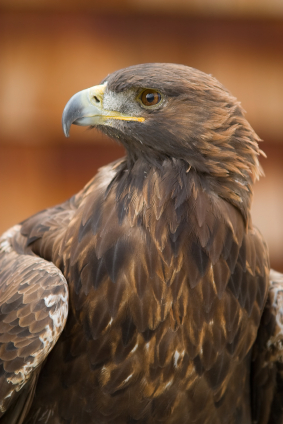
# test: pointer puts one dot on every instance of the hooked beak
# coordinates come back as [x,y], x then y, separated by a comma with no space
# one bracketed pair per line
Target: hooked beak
[86,108]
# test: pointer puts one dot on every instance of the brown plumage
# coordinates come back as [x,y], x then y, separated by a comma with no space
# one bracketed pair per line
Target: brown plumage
[167,277]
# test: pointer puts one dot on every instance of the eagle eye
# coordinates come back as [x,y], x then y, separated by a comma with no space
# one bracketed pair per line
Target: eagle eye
[150,97]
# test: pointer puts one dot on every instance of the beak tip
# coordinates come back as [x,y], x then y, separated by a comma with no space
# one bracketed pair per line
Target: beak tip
[66,122]
[71,112]
[66,129]
[66,132]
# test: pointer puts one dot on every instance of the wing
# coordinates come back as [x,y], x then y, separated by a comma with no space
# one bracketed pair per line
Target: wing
[33,303]
[33,313]
[267,366]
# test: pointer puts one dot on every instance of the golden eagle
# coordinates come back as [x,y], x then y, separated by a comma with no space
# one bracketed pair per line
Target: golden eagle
[146,298]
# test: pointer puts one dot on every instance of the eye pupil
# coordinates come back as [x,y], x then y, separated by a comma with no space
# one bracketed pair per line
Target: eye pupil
[150,97]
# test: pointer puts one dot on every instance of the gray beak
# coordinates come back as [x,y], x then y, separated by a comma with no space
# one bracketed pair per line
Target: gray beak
[84,108]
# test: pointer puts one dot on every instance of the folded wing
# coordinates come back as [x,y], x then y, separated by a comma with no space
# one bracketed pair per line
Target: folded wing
[33,313]
[267,365]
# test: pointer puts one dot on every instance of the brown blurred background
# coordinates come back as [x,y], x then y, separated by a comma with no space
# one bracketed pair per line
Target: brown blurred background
[50,49]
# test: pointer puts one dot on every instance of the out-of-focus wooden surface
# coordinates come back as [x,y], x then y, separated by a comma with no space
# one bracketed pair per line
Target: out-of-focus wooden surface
[45,58]
[48,52]
[239,8]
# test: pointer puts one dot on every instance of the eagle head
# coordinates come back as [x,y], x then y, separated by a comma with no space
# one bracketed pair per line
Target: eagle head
[162,111]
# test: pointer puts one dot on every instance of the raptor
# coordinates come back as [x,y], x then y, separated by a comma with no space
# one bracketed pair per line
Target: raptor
[147,297]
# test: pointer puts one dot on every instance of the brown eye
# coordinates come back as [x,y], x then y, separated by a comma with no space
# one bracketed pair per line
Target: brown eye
[150,97]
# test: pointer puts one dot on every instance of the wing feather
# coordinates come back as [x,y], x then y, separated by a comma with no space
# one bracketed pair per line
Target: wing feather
[33,313]
[267,365]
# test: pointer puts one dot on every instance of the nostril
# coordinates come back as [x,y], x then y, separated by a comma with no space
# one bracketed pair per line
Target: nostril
[96,99]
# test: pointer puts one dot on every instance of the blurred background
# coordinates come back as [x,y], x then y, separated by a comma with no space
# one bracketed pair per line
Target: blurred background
[51,49]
